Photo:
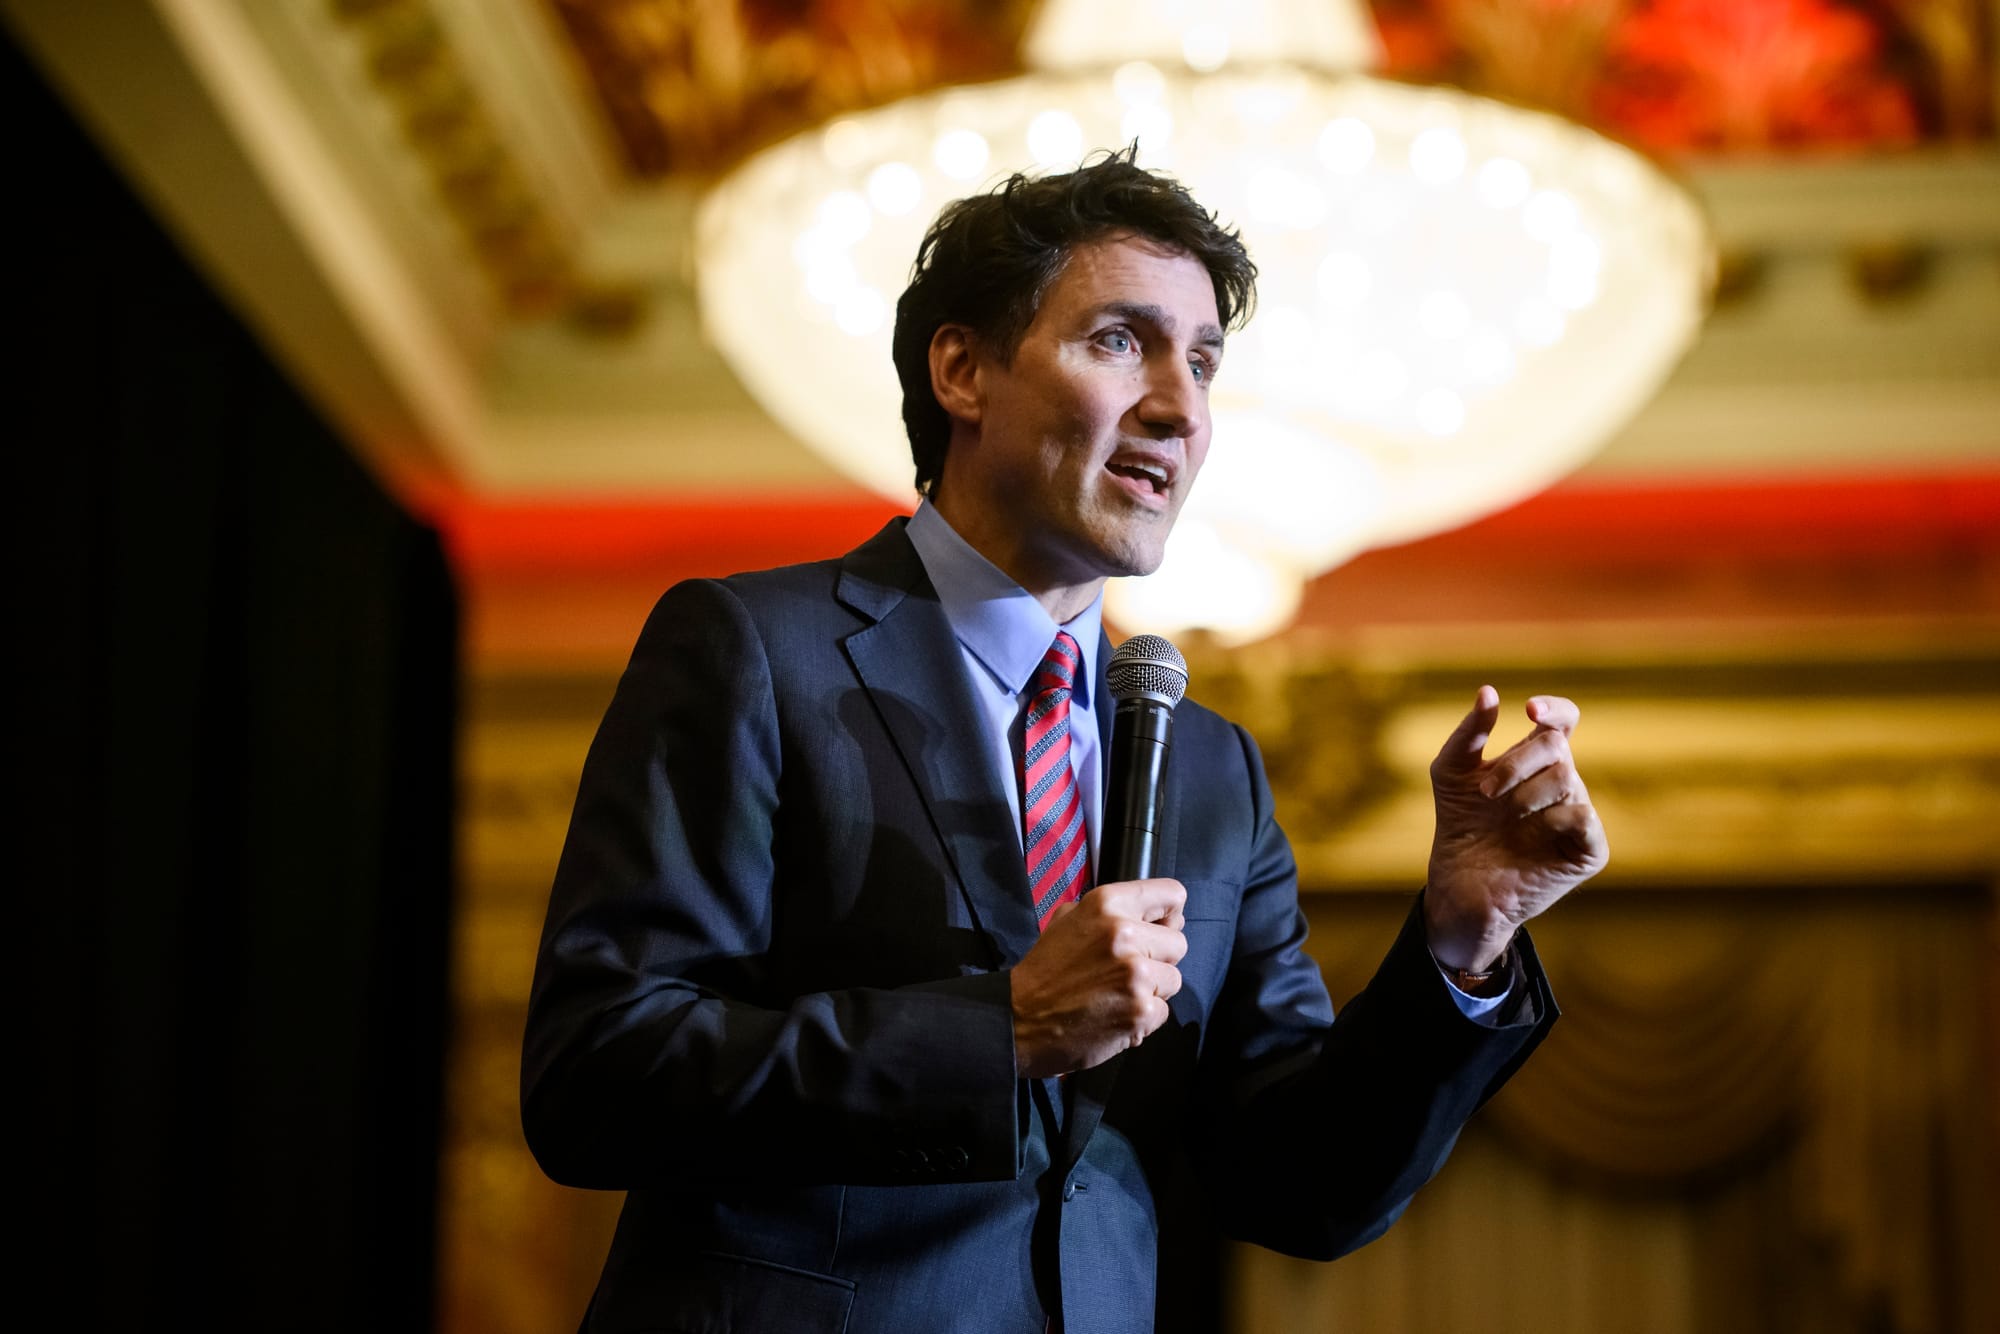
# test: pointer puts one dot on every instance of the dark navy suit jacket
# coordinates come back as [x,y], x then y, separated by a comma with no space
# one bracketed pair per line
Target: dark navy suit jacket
[771,1001]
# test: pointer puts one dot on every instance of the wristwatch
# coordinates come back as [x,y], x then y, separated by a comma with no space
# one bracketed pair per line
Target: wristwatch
[1470,982]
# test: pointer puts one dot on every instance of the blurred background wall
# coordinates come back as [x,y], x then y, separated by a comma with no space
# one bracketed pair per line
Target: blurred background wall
[431,258]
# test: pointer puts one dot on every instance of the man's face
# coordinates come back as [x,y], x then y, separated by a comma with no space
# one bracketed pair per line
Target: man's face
[1083,447]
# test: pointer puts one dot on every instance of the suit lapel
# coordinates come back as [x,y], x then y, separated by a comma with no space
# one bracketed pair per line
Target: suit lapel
[909,662]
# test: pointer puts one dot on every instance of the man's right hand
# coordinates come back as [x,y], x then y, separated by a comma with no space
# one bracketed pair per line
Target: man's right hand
[1098,980]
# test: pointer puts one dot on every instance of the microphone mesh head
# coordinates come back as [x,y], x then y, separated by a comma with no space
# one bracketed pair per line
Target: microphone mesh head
[1147,666]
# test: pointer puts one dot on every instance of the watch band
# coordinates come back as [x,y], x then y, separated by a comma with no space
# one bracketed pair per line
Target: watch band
[1470,982]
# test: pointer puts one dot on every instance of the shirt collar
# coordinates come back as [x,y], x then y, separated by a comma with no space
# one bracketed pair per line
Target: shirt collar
[999,622]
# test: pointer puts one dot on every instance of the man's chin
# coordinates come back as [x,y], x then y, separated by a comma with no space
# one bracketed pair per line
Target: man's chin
[1144,566]
[1123,553]
[1136,564]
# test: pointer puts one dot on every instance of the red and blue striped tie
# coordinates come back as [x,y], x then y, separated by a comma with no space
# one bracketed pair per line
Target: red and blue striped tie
[1052,827]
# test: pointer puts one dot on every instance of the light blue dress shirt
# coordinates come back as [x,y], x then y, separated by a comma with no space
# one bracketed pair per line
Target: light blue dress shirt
[1003,633]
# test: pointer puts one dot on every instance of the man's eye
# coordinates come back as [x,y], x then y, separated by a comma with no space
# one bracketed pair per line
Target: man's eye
[1118,340]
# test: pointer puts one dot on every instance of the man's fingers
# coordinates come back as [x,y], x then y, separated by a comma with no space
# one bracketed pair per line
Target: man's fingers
[1160,983]
[1554,711]
[1551,787]
[1467,742]
[1149,940]
[1144,900]
[1162,979]
[1524,759]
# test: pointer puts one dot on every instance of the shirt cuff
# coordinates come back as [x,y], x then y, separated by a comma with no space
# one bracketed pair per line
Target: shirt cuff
[1481,1009]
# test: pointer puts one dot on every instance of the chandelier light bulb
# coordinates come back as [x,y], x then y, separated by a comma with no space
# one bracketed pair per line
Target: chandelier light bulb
[961,154]
[1205,47]
[1503,183]
[894,189]
[1055,140]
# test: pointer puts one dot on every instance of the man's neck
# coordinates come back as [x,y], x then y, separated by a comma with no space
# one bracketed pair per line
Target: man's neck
[1064,601]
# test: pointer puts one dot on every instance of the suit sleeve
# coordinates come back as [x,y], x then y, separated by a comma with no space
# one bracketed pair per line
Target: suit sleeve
[1316,1134]
[648,1056]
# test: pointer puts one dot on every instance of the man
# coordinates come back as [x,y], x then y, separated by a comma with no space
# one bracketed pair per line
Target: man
[820,986]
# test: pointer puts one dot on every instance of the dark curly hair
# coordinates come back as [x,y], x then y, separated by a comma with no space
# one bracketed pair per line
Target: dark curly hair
[987,260]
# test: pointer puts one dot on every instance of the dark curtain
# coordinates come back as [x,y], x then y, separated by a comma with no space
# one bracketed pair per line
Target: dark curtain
[235,676]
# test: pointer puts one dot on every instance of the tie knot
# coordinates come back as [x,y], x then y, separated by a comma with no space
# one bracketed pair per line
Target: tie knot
[1058,667]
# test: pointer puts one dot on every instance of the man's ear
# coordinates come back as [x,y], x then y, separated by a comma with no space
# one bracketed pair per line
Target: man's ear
[955,372]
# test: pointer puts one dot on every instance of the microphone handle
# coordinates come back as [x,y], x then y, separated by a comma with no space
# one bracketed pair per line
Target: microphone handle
[1141,732]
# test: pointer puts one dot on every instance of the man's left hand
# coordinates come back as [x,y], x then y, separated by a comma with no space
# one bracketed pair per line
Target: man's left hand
[1514,833]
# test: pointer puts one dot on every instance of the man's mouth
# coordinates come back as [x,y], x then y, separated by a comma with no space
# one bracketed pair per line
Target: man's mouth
[1150,477]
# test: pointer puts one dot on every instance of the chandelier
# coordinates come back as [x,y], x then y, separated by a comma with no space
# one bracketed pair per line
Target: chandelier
[1459,300]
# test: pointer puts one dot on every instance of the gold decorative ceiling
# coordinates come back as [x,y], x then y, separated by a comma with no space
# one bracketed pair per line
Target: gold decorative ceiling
[1707,76]
[693,87]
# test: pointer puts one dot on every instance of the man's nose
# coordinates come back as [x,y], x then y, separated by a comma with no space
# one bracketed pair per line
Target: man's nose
[1173,406]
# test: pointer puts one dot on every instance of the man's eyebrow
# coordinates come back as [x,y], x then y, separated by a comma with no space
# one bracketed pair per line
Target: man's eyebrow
[1145,312]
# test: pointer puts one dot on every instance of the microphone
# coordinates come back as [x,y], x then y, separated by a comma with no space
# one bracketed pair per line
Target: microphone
[1147,677]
